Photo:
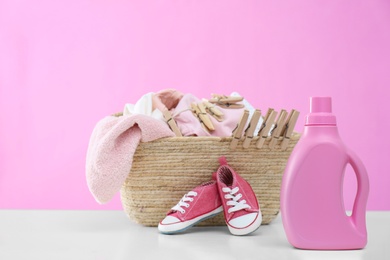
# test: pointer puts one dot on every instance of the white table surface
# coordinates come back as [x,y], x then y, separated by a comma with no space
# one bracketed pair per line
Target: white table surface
[111,235]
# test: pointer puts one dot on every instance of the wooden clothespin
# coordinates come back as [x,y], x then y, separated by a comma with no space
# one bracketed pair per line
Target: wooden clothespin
[197,113]
[226,101]
[205,117]
[251,128]
[266,126]
[289,128]
[223,98]
[237,132]
[213,110]
[278,129]
[171,122]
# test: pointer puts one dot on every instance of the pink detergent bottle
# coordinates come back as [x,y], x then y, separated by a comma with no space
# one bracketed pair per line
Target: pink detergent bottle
[311,201]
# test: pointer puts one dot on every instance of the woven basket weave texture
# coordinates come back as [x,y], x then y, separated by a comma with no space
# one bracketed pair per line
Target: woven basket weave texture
[166,169]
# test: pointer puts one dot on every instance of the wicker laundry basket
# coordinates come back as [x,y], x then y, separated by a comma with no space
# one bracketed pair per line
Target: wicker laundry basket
[166,169]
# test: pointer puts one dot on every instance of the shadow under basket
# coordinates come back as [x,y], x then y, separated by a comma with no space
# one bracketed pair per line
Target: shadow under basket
[166,169]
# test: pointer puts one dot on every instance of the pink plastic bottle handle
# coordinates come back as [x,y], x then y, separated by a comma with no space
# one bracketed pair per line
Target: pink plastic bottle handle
[359,210]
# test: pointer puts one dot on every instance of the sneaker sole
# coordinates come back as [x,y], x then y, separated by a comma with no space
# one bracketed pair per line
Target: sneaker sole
[247,230]
[183,226]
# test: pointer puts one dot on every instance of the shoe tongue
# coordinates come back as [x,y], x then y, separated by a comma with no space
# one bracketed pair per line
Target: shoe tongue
[231,186]
[234,183]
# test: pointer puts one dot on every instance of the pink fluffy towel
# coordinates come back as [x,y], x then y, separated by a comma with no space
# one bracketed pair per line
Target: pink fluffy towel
[111,149]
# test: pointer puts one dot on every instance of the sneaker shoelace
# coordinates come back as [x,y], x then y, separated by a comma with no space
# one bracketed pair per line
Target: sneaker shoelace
[235,202]
[189,197]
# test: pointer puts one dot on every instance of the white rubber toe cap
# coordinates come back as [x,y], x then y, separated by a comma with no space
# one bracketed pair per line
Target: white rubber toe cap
[170,220]
[245,224]
[243,221]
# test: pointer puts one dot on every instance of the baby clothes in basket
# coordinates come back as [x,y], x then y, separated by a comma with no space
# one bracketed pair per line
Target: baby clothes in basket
[189,124]
[152,104]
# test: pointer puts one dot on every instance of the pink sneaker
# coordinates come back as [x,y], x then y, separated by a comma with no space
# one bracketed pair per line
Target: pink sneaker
[201,203]
[240,207]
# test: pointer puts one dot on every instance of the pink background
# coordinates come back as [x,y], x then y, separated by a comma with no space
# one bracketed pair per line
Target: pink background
[66,64]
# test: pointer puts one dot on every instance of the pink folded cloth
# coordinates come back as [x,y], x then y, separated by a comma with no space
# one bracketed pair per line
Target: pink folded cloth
[111,149]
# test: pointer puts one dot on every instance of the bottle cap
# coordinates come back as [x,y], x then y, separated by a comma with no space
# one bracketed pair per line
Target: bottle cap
[320,112]
[320,105]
